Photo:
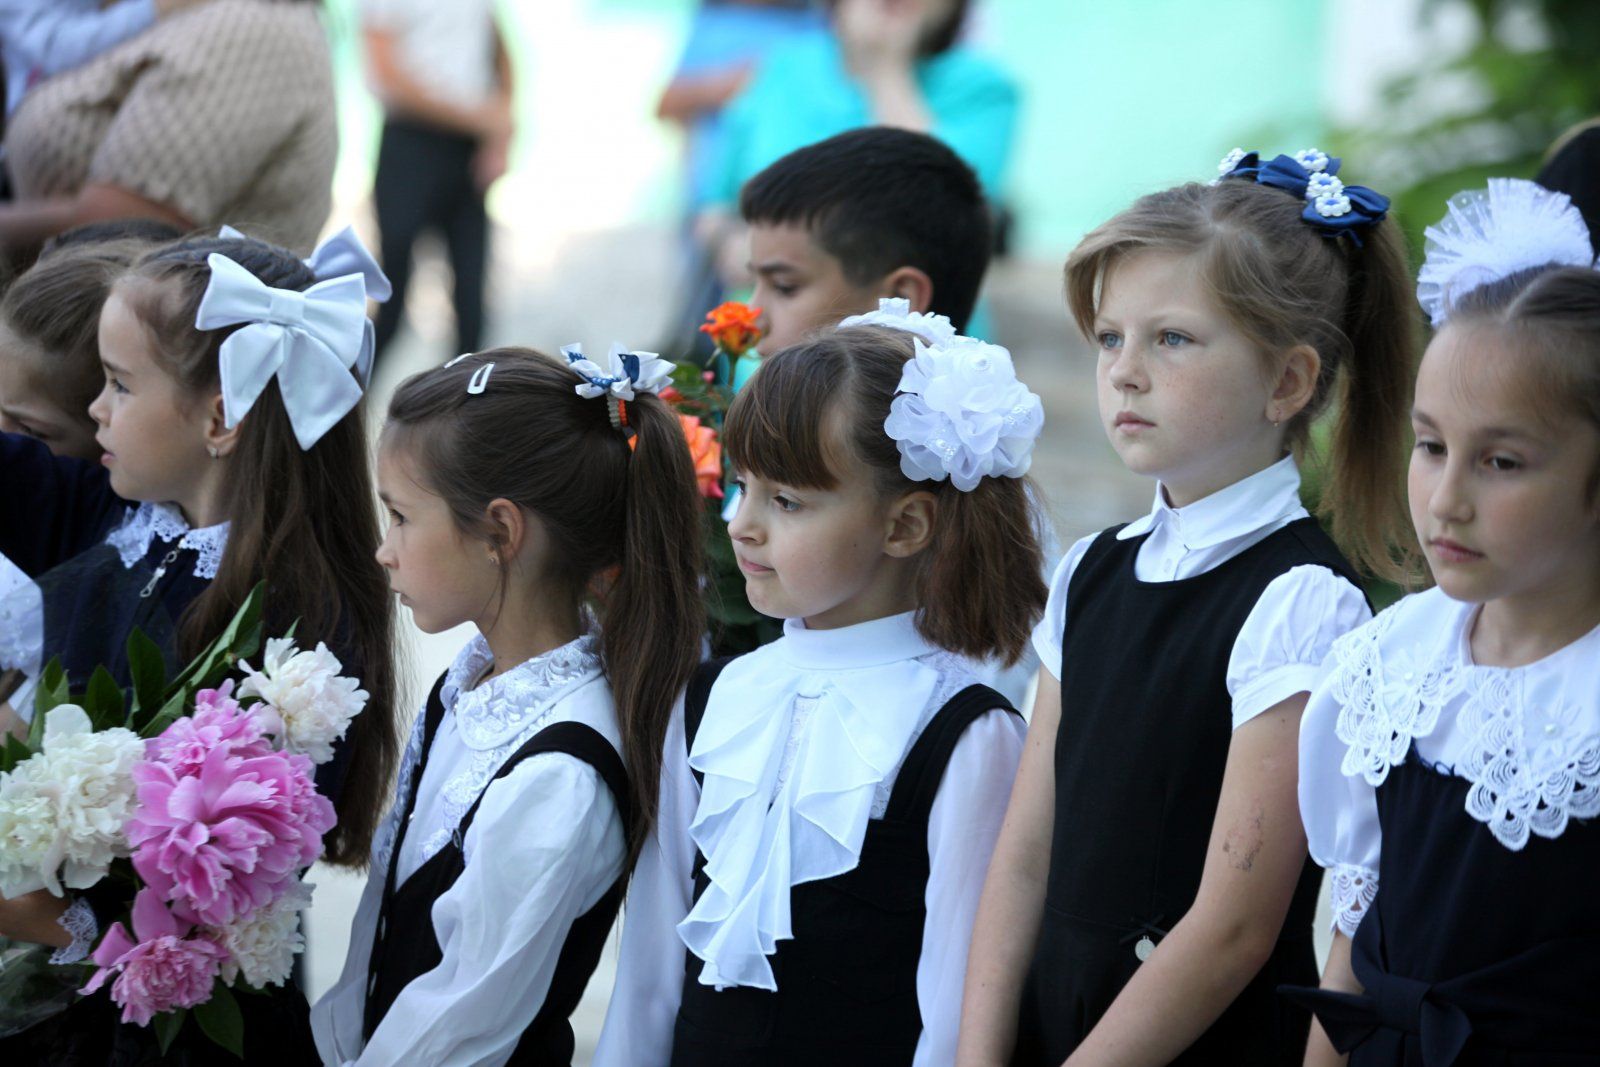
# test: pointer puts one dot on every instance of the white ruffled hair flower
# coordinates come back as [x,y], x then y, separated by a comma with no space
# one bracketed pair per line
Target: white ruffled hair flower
[262,948]
[962,413]
[1489,234]
[896,314]
[62,810]
[306,704]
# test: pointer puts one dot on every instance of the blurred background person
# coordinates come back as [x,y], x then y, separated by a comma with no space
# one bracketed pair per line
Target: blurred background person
[220,113]
[443,76]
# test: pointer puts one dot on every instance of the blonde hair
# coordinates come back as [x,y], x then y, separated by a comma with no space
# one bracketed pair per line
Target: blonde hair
[1283,284]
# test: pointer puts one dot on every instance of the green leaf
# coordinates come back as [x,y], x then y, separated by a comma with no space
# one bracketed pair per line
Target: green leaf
[13,752]
[240,638]
[167,1025]
[148,669]
[165,716]
[52,693]
[222,1020]
[104,701]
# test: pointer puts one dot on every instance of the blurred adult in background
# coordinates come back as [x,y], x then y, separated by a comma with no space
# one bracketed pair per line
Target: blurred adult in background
[1573,167]
[223,112]
[443,75]
[876,63]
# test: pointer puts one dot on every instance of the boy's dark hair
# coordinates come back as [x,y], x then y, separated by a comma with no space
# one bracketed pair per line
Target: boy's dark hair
[150,231]
[877,199]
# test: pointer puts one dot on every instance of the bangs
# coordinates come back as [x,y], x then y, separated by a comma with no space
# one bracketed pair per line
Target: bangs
[783,425]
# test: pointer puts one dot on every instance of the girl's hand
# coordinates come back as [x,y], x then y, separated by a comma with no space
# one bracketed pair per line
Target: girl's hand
[1339,976]
[35,917]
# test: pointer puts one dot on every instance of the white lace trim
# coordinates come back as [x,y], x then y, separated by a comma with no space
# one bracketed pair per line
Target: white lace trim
[498,716]
[1532,767]
[79,921]
[388,830]
[151,522]
[22,629]
[1352,890]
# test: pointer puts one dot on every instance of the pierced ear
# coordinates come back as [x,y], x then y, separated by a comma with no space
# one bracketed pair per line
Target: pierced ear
[509,528]
[1297,384]
[911,522]
[911,284]
[220,441]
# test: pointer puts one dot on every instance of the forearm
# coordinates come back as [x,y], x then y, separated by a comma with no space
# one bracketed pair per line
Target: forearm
[1198,970]
[1003,941]
[1339,976]
[35,917]
[27,224]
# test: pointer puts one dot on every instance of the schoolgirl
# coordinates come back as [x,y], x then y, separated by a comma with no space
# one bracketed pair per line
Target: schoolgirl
[1151,888]
[829,801]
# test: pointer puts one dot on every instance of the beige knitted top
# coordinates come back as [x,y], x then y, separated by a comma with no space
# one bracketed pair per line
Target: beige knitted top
[224,112]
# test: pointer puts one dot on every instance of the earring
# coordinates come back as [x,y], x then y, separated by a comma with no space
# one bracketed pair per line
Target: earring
[211,450]
[494,558]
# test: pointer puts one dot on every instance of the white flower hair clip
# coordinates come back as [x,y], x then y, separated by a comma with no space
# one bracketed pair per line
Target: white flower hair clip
[631,372]
[896,314]
[962,413]
[1490,234]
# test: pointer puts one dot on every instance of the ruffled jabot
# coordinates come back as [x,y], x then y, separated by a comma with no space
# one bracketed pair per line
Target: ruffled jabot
[771,819]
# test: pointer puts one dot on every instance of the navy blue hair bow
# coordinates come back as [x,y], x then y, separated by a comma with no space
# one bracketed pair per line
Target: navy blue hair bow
[1333,208]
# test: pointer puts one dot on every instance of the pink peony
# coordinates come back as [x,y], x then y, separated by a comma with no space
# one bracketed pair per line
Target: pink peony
[217,722]
[229,839]
[163,970]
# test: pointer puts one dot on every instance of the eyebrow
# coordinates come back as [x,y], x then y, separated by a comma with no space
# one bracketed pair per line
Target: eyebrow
[1488,431]
[772,267]
[112,367]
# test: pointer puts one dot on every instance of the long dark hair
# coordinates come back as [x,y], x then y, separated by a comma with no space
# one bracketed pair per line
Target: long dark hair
[623,517]
[977,586]
[305,521]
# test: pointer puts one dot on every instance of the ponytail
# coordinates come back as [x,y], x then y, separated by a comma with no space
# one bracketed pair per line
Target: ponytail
[654,614]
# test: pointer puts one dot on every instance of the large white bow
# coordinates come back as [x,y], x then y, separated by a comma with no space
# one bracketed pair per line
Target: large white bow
[311,341]
[631,372]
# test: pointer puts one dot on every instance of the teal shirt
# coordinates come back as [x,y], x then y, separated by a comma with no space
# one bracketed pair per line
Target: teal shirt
[802,94]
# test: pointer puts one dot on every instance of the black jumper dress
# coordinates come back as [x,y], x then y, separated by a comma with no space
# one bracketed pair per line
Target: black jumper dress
[847,981]
[1146,722]
[548,1040]
[1471,954]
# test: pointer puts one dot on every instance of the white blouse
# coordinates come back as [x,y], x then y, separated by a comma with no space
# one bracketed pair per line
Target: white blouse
[1280,649]
[1527,738]
[556,840]
[800,746]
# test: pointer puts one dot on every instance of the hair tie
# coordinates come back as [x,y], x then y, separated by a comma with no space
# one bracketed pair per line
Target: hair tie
[962,413]
[1492,233]
[1333,208]
[309,341]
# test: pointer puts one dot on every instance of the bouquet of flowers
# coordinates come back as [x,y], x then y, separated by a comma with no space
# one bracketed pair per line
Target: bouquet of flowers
[196,800]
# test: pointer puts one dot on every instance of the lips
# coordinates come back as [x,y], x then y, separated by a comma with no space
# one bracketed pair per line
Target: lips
[1453,551]
[752,568]
[1128,421]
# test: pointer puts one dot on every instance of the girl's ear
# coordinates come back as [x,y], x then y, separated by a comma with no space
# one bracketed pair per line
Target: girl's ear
[220,441]
[510,529]
[1297,384]
[910,524]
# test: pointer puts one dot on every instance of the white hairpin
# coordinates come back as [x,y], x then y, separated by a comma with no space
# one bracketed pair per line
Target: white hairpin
[896,314]
[480,379]
[962,412]
[1490,234]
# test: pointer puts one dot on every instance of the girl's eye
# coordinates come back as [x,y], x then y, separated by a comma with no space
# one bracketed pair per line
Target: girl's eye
[1431,448]
[1173,339]
[116,386]
[786,503]
[396,518]
[1109,340]
[1504,463]
[738,483]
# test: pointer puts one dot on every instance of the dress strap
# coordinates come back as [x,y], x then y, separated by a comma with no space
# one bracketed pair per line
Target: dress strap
[917,783]
[580,741]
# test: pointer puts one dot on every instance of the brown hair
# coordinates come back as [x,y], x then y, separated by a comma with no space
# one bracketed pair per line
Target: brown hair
[628,514]
[54,307]
[1282,284]
[306,521]
[978,586]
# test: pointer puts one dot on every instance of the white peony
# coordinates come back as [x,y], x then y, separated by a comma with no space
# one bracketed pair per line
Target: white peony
[307,705]
[262,948]
[962,412]
[896,314]
[62,811]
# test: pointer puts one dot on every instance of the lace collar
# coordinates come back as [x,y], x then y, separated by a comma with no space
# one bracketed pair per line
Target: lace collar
[150,523]
[1250,504]
[501,709]
[868,686]
[1531,734]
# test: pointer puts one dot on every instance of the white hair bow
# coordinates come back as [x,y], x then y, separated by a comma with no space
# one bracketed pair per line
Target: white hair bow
[896,314]
[631,372]
[310,341]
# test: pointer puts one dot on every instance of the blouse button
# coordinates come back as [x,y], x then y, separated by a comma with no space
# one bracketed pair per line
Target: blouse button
[1408,676]
[1549,727]
[1144,949]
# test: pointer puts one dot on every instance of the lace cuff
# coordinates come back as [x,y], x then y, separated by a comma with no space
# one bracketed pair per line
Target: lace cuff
[1352,893]
[79,921]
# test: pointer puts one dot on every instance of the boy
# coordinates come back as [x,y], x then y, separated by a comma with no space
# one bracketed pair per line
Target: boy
[873,212]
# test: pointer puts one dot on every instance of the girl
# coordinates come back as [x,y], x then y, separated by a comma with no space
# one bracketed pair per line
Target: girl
[1450,763]
[529,780]
[230,413]
[1151,887]
[829,801]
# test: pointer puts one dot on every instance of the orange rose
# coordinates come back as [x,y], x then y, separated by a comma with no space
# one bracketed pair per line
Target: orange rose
[733,328]
[706,451]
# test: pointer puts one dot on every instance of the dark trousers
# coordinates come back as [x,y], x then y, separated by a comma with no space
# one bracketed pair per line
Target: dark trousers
[424,182]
